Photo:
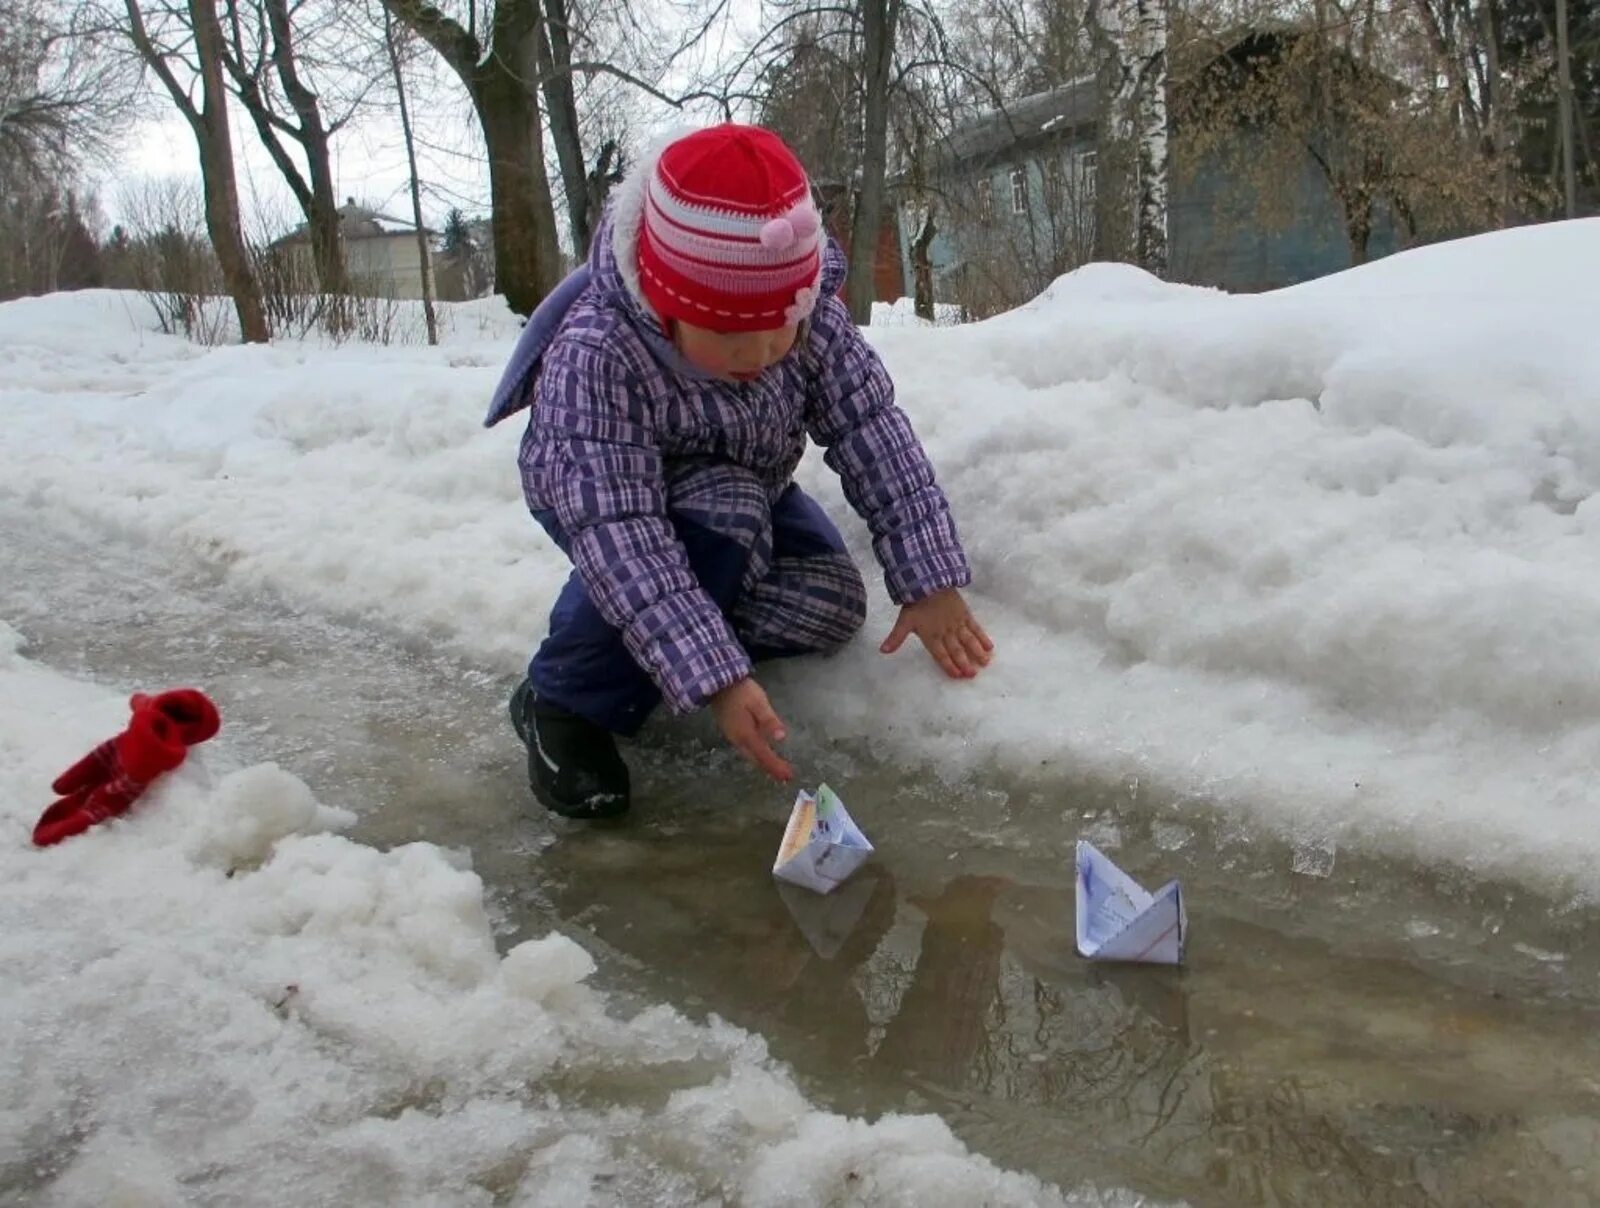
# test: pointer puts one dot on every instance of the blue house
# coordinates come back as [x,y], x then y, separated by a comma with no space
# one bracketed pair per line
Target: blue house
[1012,195]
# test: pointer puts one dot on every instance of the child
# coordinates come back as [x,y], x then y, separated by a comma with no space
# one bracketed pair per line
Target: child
[673,381]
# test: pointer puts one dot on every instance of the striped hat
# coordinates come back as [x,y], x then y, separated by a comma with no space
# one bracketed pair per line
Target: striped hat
[730,238]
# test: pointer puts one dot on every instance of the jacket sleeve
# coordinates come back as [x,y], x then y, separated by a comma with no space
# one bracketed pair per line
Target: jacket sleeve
[605,479]
[886,474]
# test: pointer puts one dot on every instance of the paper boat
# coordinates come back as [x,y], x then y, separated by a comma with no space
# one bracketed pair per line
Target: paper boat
[1118,920]
[821,845]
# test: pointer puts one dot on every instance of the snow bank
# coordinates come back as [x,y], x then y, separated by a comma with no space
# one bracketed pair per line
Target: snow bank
[216,1000]
[1325,557]
[902,312]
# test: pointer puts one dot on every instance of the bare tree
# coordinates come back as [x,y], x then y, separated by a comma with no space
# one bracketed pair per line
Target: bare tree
[266,67]
[1322,96]
[392,42]
[183,47]
[495,55]
[561,107]
[62,98]
[1464,44]
[832,78]
[596,59]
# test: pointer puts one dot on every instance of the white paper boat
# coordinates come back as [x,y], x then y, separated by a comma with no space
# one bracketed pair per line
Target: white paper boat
[821,845]
[1118,920]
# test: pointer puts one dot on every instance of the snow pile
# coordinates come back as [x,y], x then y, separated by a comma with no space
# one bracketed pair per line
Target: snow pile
[1325,557]
[217,999]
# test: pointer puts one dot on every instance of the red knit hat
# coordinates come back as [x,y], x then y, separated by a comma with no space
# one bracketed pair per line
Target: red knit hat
[730,238]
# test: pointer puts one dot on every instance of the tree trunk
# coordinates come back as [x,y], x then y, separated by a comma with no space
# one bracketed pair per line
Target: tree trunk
[1494,103]
[424,253]
[598,181]
[527,257]
[879,21]
[1569,179]
[1358,229]
[1116,165]
[216,167]
[922,268]
[1150,229]
[555,71]
[526,254]
[322,212]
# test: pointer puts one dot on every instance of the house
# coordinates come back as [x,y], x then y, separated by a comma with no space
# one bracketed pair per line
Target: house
[1012,198]
[380,252]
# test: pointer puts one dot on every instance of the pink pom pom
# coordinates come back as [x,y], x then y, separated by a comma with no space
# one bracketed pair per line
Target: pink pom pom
[805,220]
[778,234]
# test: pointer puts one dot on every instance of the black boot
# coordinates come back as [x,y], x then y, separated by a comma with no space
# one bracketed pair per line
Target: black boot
[573,765]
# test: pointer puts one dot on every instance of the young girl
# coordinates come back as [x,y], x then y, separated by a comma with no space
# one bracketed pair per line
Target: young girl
[673,382]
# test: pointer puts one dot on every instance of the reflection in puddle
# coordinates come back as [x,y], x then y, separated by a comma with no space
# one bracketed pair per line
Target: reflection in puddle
[1271,1069]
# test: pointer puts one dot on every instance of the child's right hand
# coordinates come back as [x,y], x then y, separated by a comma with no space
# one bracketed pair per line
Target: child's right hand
[748,722]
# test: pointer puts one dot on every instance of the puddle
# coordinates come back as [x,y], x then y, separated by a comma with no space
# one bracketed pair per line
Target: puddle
[1358,1029]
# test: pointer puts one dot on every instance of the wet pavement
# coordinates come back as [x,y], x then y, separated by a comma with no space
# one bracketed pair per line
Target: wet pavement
[1360,1029]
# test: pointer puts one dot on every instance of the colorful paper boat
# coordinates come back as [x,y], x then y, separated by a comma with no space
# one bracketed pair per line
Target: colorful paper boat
[821,845]
[1119,920]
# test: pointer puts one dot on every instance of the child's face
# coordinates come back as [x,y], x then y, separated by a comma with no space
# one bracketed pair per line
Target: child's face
[739,356]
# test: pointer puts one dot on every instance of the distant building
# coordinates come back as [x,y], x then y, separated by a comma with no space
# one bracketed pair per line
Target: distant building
[888,266]
[381,252]
[1015,191]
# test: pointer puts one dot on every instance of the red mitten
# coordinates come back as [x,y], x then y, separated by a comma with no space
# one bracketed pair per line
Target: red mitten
[110,778]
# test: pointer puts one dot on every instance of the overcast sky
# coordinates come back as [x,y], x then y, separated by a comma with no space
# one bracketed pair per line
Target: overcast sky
[369,154]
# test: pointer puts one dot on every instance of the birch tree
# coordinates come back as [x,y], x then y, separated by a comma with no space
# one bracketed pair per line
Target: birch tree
[1131,38]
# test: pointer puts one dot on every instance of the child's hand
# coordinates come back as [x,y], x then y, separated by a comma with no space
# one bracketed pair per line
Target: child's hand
[949,631]
[748,722]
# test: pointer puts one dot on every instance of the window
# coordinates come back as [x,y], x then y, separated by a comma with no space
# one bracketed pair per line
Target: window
[1019,190]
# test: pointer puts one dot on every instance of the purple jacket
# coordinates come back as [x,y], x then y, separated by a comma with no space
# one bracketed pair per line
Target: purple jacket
[617,409]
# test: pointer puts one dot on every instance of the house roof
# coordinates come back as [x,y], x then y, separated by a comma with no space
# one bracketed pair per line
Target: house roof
[1058,111]
[361,222]
[1073,106]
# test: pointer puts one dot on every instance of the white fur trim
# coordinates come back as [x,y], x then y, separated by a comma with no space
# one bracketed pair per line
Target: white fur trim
[627,212]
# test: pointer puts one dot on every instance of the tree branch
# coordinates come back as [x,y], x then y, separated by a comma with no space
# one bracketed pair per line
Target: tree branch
[157,63]
[454,44]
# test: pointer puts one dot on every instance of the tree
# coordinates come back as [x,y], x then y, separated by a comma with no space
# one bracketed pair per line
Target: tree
[62,98]
[832,79]
[496,70]
[392,40]
[265,65]
[596,58]
[1530,63]
[561,107]
[161,47]
[461,250]
[46,243]
[1131,37]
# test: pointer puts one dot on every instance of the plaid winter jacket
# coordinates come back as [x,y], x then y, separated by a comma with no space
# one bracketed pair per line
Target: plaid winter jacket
[616,411]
